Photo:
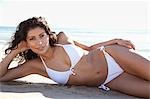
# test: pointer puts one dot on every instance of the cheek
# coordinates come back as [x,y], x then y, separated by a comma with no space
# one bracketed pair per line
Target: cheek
[31,44]
[47,40]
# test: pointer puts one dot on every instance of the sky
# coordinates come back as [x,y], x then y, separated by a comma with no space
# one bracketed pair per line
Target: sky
[123,15]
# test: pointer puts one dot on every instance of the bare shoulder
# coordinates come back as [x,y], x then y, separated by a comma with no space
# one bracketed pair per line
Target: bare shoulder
[64,38]
[35,63]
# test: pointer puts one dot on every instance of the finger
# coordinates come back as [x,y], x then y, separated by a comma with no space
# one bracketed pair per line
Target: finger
[127,45]
[130,45]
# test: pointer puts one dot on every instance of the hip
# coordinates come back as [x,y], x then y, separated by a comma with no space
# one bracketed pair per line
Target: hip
[91,70]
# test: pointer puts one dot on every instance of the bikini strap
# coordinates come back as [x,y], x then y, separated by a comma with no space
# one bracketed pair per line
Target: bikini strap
[59,45]
[104,87]
[43,62]
[101,48]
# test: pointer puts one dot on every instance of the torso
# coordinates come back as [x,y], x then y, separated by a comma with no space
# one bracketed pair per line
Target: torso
[91,70]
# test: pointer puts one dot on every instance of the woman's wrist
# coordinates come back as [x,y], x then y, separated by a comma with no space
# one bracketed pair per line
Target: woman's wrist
[14,52]
[116,41]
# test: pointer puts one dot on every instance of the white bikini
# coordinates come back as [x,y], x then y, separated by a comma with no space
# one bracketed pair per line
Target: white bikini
[114,70]
[75,53]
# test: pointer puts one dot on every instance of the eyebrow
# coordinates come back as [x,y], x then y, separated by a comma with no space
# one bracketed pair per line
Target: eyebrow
[39,34]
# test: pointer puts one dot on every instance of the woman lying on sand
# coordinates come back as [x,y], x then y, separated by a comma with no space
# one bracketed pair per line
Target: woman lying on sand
[107,65]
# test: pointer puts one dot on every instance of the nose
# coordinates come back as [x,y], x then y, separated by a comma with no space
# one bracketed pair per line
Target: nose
[39,42]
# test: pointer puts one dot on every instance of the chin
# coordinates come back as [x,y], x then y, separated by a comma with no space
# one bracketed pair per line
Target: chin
[44,51]
[39,52]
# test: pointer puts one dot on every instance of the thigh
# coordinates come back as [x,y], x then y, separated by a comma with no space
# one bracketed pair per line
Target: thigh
[129,84]
[130,61]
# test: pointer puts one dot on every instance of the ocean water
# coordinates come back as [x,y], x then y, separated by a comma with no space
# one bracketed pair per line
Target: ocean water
[141,39]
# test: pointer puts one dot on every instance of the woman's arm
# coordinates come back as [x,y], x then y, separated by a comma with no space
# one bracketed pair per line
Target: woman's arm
[16,72]
[125,43]
[121,42]
[63,38]
[4,64]
[83,46]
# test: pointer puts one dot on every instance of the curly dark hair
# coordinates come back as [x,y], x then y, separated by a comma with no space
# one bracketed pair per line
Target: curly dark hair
[21,33]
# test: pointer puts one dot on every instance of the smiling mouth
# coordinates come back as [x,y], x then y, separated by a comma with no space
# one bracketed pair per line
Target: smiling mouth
[41,48]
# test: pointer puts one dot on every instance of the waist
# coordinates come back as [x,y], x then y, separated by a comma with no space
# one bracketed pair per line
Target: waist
[91,70]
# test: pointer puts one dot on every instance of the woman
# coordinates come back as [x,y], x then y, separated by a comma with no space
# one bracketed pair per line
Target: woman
[68,62]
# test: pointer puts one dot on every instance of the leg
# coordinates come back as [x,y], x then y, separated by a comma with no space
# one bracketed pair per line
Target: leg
[130,62]
[131,85]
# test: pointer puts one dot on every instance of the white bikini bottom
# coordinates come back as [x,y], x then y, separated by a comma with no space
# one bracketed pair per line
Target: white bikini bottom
[114,70]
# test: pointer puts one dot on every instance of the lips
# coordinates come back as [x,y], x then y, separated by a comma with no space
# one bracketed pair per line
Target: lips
[41,48]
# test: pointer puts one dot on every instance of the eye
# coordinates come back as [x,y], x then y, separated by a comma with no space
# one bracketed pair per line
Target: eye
[42,35]
[32,38]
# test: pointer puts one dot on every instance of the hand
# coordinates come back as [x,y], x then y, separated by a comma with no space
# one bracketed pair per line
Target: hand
[21,47]
[126,43]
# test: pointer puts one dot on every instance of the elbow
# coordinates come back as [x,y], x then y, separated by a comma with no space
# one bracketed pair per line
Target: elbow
[2,79]
[87,48]
[91,48]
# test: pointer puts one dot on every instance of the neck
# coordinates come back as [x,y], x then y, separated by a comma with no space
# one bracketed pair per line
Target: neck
[49,54]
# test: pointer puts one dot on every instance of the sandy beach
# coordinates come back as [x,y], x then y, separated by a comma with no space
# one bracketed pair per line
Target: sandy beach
[38,87]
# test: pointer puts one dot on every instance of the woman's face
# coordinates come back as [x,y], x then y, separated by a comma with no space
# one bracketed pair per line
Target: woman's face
[38,40]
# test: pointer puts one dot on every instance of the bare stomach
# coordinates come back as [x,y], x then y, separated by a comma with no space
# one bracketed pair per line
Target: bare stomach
[91,70]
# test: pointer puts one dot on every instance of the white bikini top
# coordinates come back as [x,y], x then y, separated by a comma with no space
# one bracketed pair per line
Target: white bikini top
[75,53]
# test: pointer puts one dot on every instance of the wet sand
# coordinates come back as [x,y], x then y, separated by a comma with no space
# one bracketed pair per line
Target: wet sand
[38,87]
